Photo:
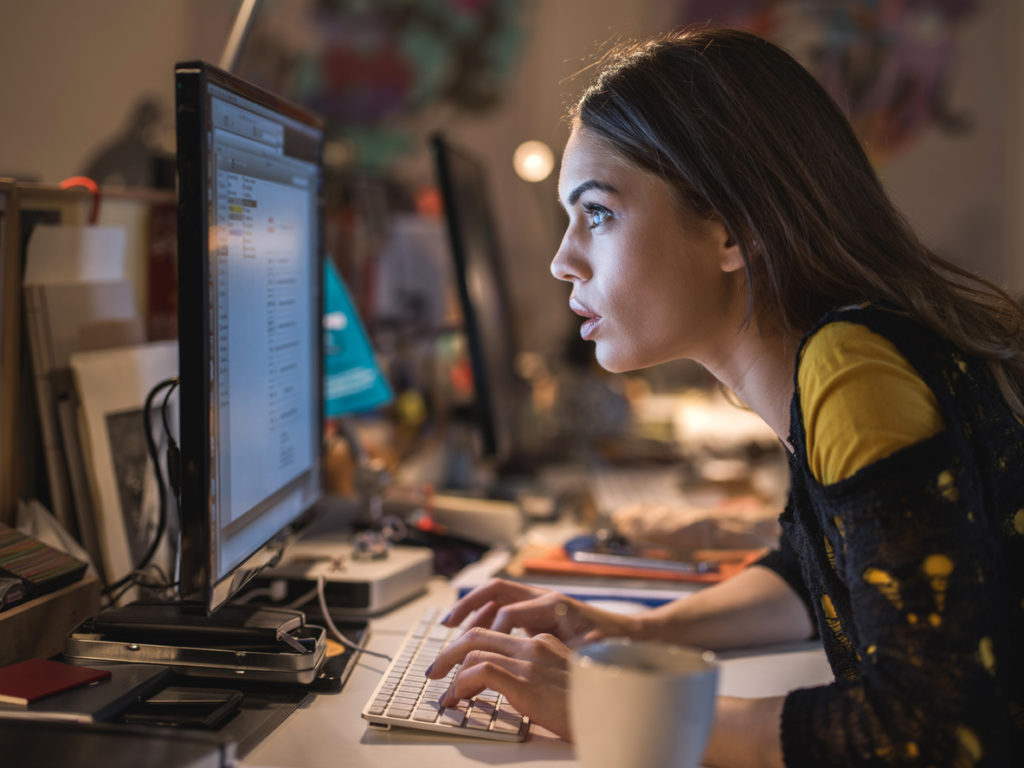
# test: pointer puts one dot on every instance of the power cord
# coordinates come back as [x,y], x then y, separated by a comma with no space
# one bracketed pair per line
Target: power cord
[159,589]
[334,630]
[132,578]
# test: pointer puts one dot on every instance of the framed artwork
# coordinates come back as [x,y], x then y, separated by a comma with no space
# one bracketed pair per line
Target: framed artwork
[10,285]
[112,386]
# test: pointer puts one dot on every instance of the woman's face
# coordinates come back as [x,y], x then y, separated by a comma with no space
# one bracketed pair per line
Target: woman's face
[653,282]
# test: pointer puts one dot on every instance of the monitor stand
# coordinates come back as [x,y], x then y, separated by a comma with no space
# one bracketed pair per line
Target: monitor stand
[238,641]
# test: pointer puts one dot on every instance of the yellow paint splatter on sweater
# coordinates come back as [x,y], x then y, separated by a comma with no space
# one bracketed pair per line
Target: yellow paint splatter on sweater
[830,553]
[937,568]
[1018,522]
[947,486]
[886,584]
[833,622]
[987,655]
[970,752]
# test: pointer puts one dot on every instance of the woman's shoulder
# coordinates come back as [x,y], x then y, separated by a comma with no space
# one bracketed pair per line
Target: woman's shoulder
[885,320]
[875,330]
[861,399]
[855,339]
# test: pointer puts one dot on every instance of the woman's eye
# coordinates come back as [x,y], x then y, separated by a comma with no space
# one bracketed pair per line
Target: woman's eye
[597,214]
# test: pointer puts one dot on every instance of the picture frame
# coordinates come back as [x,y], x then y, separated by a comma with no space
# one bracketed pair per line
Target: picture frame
[112,386]
[10,349]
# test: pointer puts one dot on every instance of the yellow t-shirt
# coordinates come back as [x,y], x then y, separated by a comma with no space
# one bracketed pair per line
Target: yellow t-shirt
[861,400]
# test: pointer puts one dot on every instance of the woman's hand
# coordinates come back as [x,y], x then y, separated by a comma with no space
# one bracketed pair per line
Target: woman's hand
[506,605]
[531,672]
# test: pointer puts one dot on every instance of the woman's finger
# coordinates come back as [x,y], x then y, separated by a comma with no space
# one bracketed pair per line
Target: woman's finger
[496,590]
[484,617]
[485,670]
[545,613]
[476,639]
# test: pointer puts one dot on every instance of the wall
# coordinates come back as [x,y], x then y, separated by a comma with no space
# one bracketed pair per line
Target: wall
[961,192]
[70,71]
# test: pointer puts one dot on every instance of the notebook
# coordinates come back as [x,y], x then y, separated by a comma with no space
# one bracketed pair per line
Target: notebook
[28,681]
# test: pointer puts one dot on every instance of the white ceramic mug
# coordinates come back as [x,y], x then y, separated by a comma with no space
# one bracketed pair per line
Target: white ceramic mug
[641,704]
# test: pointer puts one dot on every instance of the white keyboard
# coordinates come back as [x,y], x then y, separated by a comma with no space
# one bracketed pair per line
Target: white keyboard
[404,697]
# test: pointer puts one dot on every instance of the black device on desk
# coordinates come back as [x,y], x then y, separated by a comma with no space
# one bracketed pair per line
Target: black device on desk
[250,275]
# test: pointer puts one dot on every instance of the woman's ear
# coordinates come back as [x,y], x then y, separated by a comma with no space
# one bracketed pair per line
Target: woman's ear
[731,258]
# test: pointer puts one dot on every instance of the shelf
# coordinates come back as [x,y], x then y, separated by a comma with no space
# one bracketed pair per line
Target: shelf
[37,629]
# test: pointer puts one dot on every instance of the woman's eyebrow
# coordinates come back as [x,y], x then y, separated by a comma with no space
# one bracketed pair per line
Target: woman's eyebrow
[589,184]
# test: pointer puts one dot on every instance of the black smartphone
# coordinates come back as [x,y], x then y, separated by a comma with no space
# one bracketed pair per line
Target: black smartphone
[185,707]
[615,550]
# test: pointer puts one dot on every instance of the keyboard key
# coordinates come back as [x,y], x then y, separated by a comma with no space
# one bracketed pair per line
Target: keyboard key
[479,719]
[427,712]
[399,710]
[508,722]
[453,716]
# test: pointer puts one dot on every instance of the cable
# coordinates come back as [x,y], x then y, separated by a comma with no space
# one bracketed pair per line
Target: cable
[337,633]
[136,578]
[173,453]
[301,600]
[131,577]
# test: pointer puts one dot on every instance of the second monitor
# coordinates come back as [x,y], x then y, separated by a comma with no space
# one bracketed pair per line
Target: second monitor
[483,296]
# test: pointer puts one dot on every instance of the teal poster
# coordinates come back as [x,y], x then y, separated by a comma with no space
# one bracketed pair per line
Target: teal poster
[353,381]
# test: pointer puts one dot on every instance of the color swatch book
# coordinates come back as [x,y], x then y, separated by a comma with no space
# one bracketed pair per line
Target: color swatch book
[41,567]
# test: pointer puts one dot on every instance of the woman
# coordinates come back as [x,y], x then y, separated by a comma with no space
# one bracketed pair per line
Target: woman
[721,209]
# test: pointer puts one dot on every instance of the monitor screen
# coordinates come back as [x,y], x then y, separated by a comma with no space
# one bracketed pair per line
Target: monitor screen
[482,291]
[250,253]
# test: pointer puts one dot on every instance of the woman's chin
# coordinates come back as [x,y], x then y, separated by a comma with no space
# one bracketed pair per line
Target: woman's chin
[614,362]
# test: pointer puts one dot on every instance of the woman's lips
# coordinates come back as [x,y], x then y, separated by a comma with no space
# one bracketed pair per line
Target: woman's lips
[592,319]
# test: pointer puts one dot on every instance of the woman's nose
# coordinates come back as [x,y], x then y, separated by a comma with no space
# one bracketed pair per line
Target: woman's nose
[566,264]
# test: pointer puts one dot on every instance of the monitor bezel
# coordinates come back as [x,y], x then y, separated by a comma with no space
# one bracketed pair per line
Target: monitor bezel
[198,579]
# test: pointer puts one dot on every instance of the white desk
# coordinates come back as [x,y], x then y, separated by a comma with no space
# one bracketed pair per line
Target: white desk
[329,732]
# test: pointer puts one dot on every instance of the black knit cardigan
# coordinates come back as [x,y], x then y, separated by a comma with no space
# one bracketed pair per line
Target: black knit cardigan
[913,572]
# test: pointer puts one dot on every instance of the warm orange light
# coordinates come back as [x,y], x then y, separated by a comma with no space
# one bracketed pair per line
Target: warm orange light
[533,161]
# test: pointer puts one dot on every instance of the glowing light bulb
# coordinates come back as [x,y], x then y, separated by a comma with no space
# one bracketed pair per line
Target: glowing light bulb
[533,161]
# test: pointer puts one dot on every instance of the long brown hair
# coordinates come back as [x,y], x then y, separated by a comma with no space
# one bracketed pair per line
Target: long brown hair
[743,132]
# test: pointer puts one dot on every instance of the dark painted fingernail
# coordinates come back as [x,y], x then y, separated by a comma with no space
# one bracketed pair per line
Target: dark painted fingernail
[447,618]
[428,670]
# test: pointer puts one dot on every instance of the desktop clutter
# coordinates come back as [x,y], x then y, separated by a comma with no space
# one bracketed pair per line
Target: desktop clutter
[242,556]
[233,586]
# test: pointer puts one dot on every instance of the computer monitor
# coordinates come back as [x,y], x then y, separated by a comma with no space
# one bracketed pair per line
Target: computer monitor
[250,255]
[483,295]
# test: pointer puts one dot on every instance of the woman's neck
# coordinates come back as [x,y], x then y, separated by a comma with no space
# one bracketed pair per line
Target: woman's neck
[759,369]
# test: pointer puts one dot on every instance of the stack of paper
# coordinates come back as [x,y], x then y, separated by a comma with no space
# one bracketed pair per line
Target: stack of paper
[77,297]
